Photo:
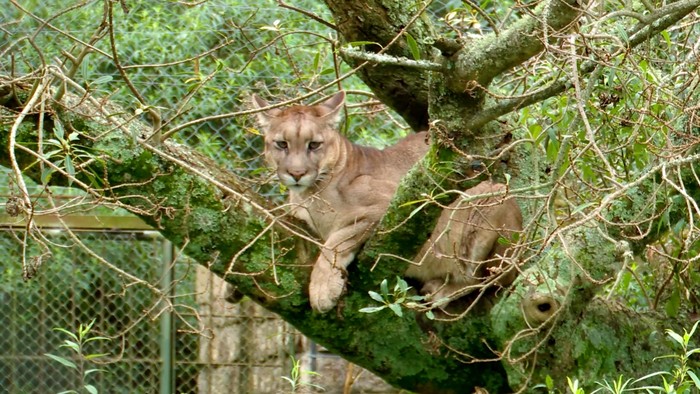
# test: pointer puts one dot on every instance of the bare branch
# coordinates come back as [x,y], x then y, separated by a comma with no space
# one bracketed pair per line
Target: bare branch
[378,58]
[667,17]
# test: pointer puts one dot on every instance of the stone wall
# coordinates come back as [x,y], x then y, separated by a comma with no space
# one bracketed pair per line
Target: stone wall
[244,349]
[248,350]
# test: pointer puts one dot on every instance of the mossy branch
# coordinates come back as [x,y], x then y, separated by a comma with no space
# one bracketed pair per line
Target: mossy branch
[208,212]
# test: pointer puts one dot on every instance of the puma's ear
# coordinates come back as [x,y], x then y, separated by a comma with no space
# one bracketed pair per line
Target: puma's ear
[334,105]
[264,116]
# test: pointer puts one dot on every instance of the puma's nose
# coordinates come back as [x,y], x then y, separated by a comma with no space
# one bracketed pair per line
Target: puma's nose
[297,174]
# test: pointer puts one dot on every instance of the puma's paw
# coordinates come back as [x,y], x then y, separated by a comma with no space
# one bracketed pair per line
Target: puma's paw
[326,287]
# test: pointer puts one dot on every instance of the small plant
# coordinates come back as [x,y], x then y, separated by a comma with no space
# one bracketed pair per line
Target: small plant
[65,153]
[617,386]
[295,377]
[394,300]
[680,380]
[573,386]
[76,343]
[682,377]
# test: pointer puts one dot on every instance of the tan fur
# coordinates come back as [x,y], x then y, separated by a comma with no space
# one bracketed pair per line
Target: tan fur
[342,190]
[464,250]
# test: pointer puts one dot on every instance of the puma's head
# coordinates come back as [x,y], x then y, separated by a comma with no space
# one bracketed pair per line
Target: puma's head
[301,142]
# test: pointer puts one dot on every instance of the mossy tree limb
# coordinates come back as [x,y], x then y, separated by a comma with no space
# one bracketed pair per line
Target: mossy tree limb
[206,211]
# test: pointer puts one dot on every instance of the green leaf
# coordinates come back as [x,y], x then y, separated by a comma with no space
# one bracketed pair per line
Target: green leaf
[93,370]
[317,57]
[372,309]
[375,296]
[70,169]
[46,175]
[675,336]
[695,327]
[102,79]
[61,360]
[549,382]
[535,132]
[695,379]
[396,308]
[50,154]
[58,130]
[651,375]
[96,339]
[412,203]
[673,305]
[667,38]
[94,356]
[71,344]
[90,388]
[581,207]
[384,287]
[415,211]
[72,335]
[413,46]
[402,285]
[430,315]
[220,65]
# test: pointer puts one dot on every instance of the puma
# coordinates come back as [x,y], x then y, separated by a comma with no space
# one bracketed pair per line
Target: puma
[342,190]
[470,245]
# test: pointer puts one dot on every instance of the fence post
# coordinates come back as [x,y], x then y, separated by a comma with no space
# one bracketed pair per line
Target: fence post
[167,340]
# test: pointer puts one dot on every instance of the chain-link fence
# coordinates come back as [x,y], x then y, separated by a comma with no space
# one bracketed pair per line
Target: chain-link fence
[201,345]
[72,288]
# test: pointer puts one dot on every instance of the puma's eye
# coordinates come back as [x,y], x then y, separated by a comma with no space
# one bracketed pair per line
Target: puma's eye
[314,145]
[281,145]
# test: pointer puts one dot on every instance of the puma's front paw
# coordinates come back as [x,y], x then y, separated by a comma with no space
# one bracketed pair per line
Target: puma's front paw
[326,287]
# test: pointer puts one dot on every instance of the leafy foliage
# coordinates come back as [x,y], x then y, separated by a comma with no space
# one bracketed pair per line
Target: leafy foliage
[296,379]
[396,300]
[76,344]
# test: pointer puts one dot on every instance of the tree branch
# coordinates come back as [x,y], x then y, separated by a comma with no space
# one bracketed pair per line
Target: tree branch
[235,235]
[488,57]
[354,53]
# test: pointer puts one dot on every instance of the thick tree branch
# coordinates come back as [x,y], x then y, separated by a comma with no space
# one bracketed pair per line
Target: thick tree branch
[482,60]
[193,203]
[380,21]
